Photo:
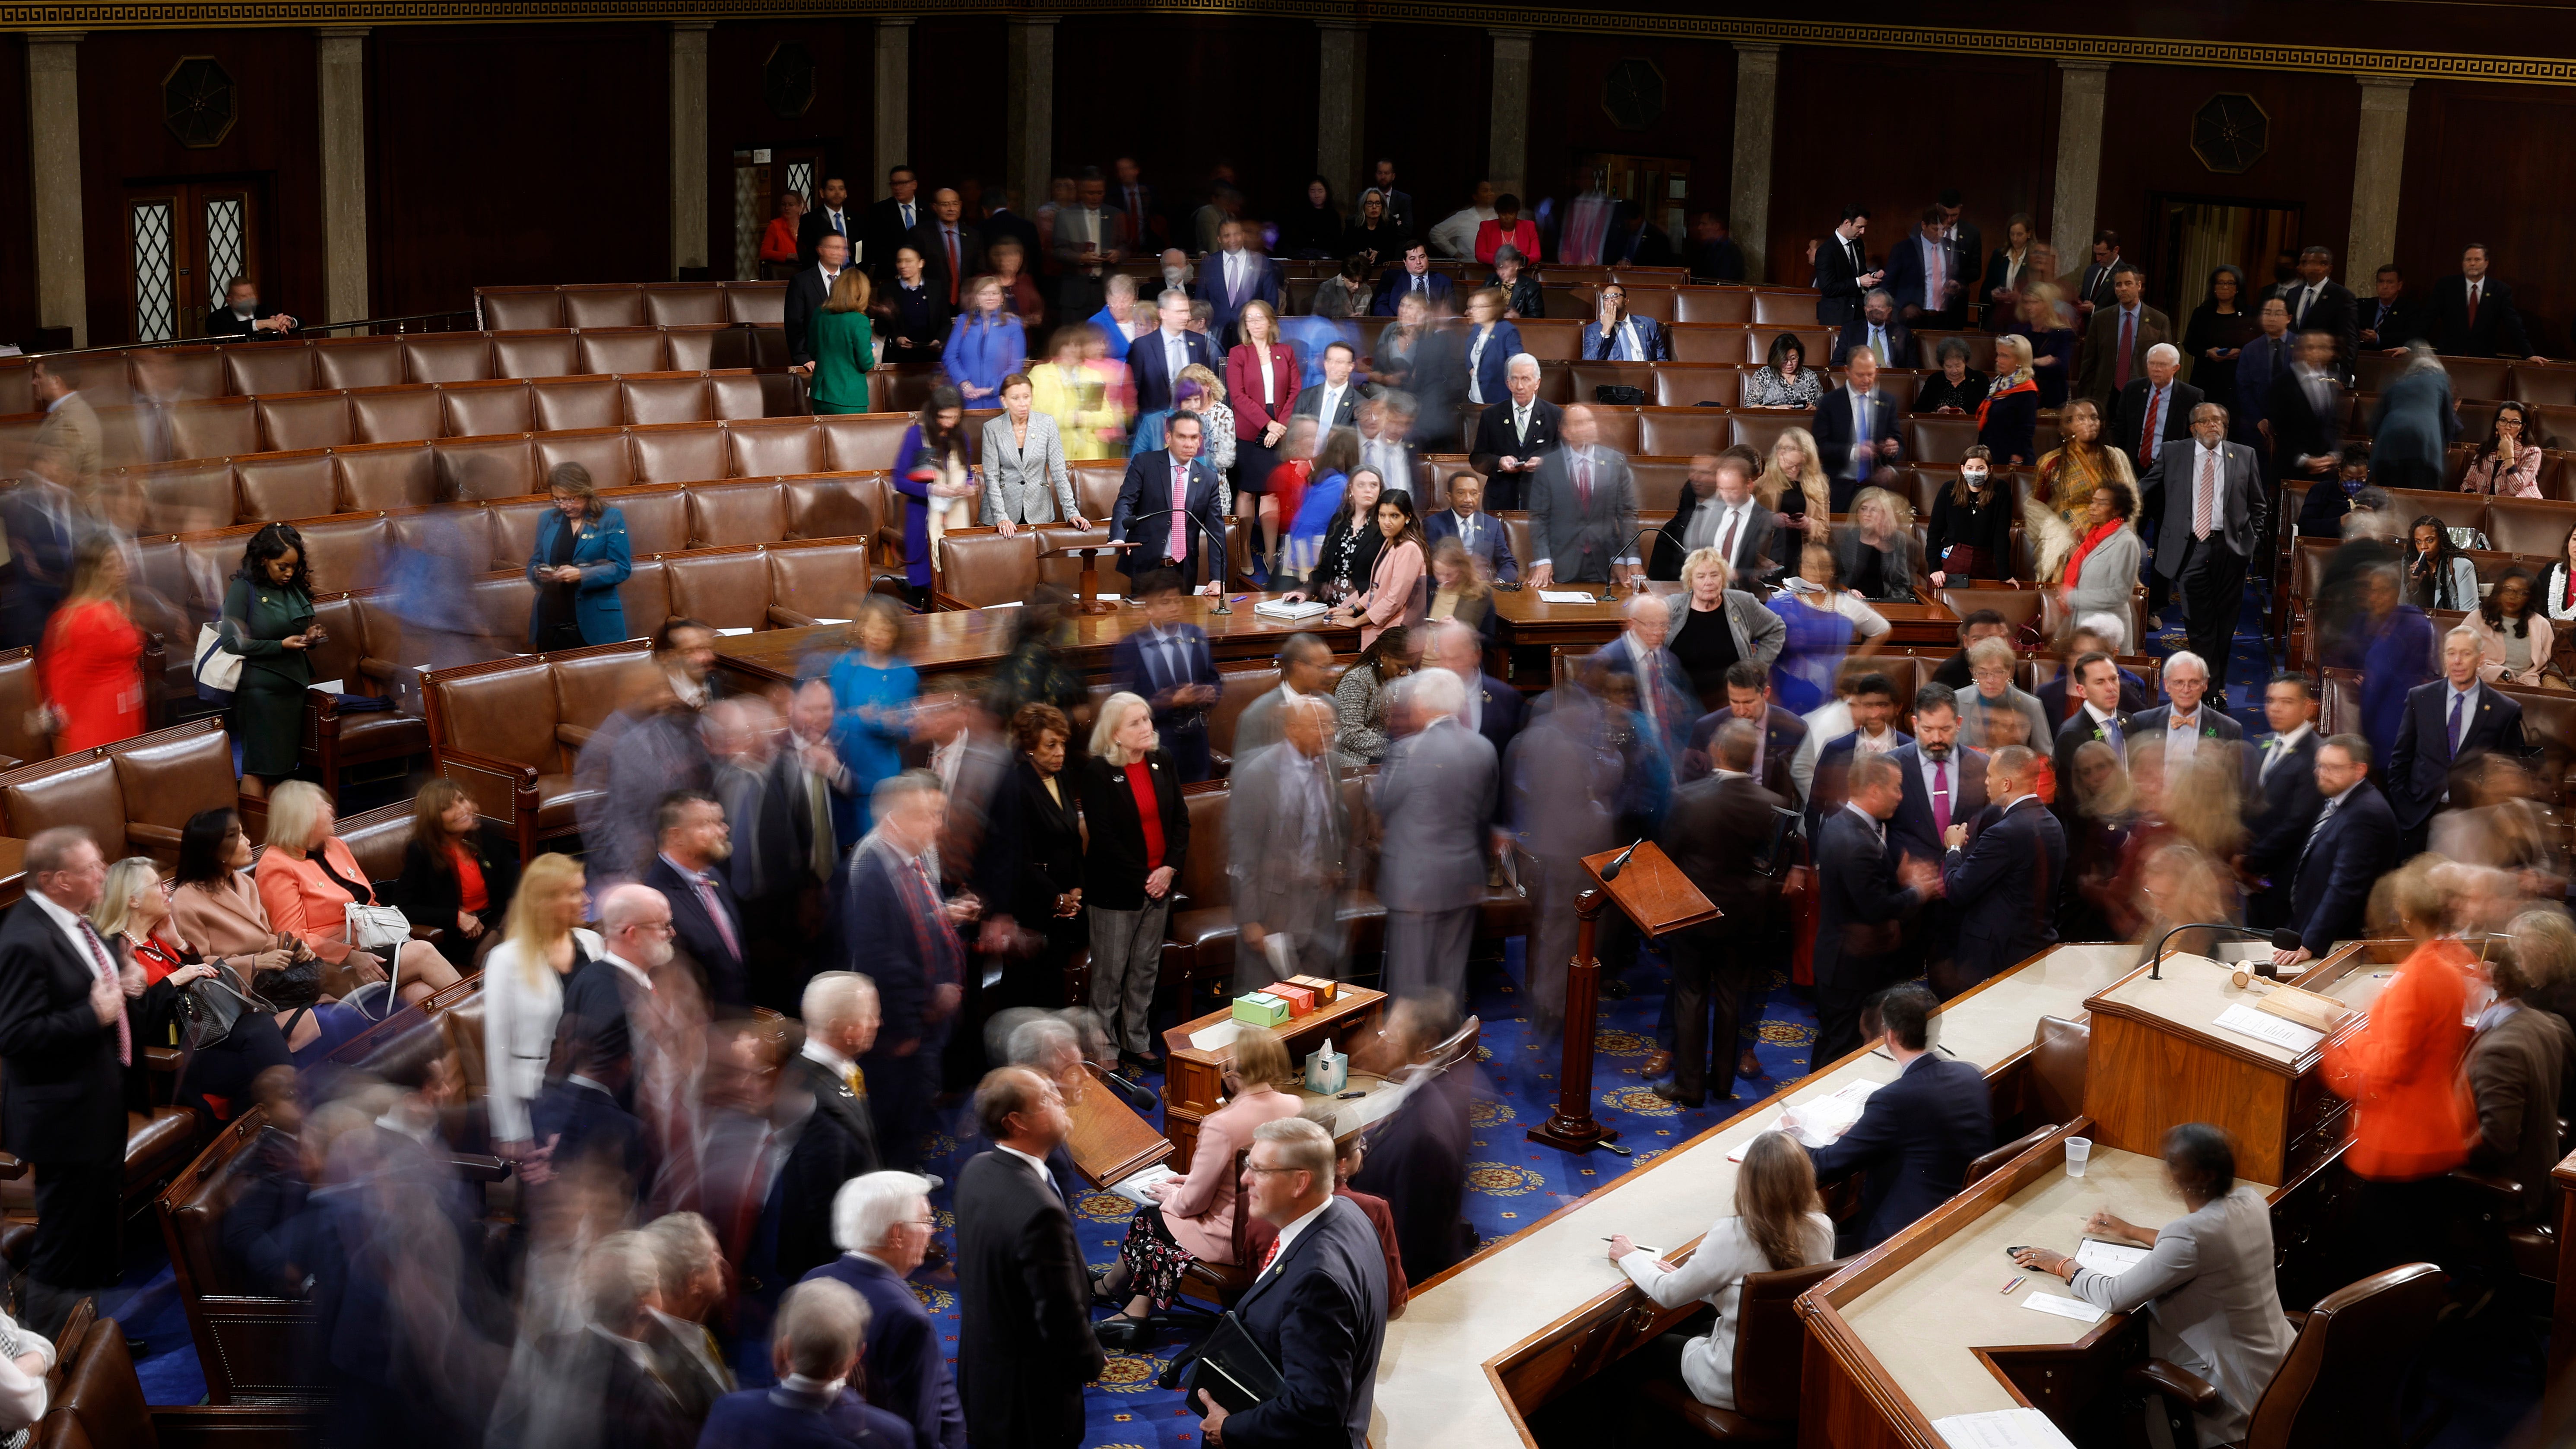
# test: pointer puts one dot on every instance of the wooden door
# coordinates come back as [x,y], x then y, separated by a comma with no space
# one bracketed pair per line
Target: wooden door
[184,244]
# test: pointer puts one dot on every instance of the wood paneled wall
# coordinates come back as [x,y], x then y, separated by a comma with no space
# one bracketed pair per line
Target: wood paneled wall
[1183,94]
[2490,164]
[841,119]
[1567,121]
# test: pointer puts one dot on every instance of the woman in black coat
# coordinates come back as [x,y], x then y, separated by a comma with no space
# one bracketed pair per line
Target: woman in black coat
[1972,519]
[453,854]
[1130,869]
[1040,864]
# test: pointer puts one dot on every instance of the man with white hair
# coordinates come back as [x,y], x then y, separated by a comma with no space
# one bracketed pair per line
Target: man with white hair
[1435,799]
[694,1285]
[1513,435]
[815,1347]
[837,1140]
[1493,708]
[2152,411]
[594,1386]
[2187,727]
[882,1222]
[1877,329]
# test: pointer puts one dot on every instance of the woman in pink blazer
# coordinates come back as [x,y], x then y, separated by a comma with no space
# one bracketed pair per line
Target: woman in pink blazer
[1397,591]
[1194,1221]
[1261,377]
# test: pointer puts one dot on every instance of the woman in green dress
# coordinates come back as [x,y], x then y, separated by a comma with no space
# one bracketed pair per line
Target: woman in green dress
[268,621]
[844,346]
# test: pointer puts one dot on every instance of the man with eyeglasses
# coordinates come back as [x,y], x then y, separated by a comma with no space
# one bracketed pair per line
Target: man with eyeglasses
[838,1139]
[883,1224]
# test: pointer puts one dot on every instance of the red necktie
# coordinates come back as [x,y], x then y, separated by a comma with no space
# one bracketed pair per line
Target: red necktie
[2119,365]
[952,265]
[2155,421]
[716,910]
[2473,304]
[1726,545]
[1267,1258]
[1583,481]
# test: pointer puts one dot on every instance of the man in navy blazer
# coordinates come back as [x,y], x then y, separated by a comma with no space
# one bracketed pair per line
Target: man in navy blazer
[1911,263]
[1857,431]
[2281,799]
[1152,478]
[1317,1312]
[1168,665]
[2001,883]
[1150,357]
[690,837]
[2352,845]
[1864,898]
[899,929]
[1483,535]
[1873,715]
[1616,335]
[2448,725]
[1936,756]
[1232,277]
[1782,734]
[1410,277]
[882,1222]
[1916,1135]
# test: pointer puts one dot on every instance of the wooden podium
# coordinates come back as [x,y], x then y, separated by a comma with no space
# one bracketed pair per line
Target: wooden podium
[1087,589]
[1651,891]
[1109,1142]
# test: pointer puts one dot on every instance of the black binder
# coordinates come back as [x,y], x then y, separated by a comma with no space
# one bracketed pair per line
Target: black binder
[1232,1368]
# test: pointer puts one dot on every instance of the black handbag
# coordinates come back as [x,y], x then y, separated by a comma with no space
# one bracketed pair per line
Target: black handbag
[210,1008]
[1618,395]
[299,984]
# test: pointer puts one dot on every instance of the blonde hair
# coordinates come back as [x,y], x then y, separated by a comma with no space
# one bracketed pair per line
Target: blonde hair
[295,811]
[1260,1059]
[528,929]
[849,292]
[126,879]
[1268,315]
[1811,468]
[2201,803]
[1104,731]
[1705,558]
[2017,345]
[1900,512]
[1205,376]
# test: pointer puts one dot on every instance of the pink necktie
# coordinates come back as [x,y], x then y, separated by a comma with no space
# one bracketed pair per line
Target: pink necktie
[715,909]
[1180,501]
[1940,799]
[2205,497]
[107,969]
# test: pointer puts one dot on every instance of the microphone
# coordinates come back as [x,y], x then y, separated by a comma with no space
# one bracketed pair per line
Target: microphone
[1220,606]
[1612,592]
[1611,871]
[2155,971]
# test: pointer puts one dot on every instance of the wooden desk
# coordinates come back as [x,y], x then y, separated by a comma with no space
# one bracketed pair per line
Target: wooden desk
[1529,1315]
[1109,1142]
[2158,1059]
[13,869]
[1194,1077]
[1530,626]
[959,642]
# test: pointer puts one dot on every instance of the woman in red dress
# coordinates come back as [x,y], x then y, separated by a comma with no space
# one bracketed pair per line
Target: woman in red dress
[91,662]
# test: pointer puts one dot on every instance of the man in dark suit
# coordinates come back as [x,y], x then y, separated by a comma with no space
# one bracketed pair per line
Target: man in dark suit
[817,1343]
[2212,522]
[1583,510]
[66,1042]
[2001,881]
[1399,204]
[883,1223]
[2115,349]
[2449,726]
[1617,335]
[1002,223]
[837,1139]
[2101,716]
[1234,277]
[1717,510]
[1778,735]
[2183,721]
[1871,699]
[1843,271]
[1876,328]
[1435,799]
[2158,407]
[1334,402]
[2473,313]
[1417,1157]
[2352,845]
[2320,304]
[1865,897]
[2057,702]
[906,936]
[950,246]
[1024,1345]
[1484,537]
[1158,357]
[2390,319]
[1317,1311]
[1512,436]
[1945,785]
[1168,664]
[2281,799]
[691,838]
[1916,1135]
[595,1383]
[244,315]
[771,863]
[2090,287]
[830,216]
[807,292]
[1173,477]
[1717,832]
[1493,709]
[1929,274]
[1411,277]
[1857,431]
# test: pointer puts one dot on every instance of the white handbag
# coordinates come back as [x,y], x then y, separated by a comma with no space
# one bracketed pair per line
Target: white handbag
[377,928]
[218,669]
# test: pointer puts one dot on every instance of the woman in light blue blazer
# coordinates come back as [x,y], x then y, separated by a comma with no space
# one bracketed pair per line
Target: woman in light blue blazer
[985,345]
[1025,480]
[580,558]
[1491,344]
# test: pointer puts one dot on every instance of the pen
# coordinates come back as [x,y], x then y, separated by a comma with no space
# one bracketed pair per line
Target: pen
[2017,1282]
[1642,1248]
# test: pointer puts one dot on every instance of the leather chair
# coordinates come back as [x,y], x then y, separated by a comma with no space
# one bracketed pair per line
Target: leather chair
[678,453]
[1986,1164]
[2347,1368]
[725,515]
[2479,378]
[19,745]
[452,356]
[520,307]
[1710,346]
[774,446]
[1938,439]
[495,467]
[1761,431]
[603,450]
[2053,1081]
[303,420]
[1238,686]
[1547,339]
[216,427]
[1723,306]
[867,442]
[1199,940]
[257,1345]
[479,409]
[259,368]
[657,521]
[810,583]
[188,497]
[408,413]
[286,485]
[354,362]
[724,588]
[1683,434]
[1900,384]
[2020,607]
[743,395]
[496,731]
[979,567]
[335,740]
[831,507]
[1620,426]
[1769,1344]
[1588,378]
[2540,385]
[645,597]
[132,807]
[562,403]
[1679,385]
[95,1399]
[2534,527]
[1783,308]
[622,349]
[665,397]
[401,475]
[610,305]
[669,302]
[1981,349]
[1095,487]
[758,304]
[544,352]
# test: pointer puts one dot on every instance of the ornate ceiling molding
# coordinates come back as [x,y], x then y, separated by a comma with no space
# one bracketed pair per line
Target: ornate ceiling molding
[2100,49]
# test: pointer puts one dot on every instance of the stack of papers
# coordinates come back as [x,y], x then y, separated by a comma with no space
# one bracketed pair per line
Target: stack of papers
[1282,609]
[1566,596]
[2075,1308]
[2002,1429]
[2109,1259]
[2263,1026]
[1208,1039]
[1822,1122]
[1137,1189]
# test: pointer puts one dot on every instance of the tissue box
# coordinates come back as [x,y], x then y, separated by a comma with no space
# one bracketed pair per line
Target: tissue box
[1327,1071]
[1326,992]
[1261,1009]
[1301,1001]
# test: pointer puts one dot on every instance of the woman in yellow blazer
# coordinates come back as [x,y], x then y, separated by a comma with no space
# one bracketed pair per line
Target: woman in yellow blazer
[1065,389]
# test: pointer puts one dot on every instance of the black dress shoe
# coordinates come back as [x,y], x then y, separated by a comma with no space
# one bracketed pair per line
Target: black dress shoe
[1123,1334]
[1674,1095]
[1141,1064]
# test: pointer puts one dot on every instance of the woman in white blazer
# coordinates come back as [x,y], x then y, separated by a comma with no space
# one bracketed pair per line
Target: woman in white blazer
[2213,1307]
[1025,480]
[523,992]
[1779,1223]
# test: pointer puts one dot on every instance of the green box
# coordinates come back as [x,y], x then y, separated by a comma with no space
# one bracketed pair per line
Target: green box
[1261,1009]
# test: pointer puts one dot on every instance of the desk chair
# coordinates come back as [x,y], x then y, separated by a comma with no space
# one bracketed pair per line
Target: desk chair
[1986,1165]
[1222,1283]
[2340,1385]
[1768,1340]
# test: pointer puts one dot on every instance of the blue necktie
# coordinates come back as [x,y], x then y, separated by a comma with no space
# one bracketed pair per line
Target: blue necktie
[2457,699]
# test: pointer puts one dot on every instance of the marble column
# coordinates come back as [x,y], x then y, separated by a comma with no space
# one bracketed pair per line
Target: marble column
[1341,113]
[2081,84]
[2378,165]
[1748,203]
[1029,125]
[54,169]
[894,107]
[689,145]
[1507,143]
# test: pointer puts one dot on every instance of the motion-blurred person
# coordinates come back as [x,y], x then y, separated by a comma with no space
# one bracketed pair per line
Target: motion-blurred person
[2396,653]
[1991,667]
[1824,620]
[2100,716]
[692,838]
[933,473]
[1865,898]
[906,935]
[90,662]
[2002,884]
[835,1139]
[1287,796]
[816,1349]
[884,1226]
[2448,725]
[2508,828]
[1139,833]
[1305,669]
[1363,695]
[1167,664]
[2517,1075]
[1583,510]
[1916,1135]
[1025,1346]
[1779,737]
[458,872]
[1433,798]
[1564,778]
[1718,833]
[2281,799]
[596,1385]
[1418,1155]
[1493,709]
[543,944]
[1033,672]
[695,1283]
[308,878]
[2353,843]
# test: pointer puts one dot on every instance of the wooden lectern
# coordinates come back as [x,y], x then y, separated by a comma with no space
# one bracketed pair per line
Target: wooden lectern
[1087,590]
[1651,891]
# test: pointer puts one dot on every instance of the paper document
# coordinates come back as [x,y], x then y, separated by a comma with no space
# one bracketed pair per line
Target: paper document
[1282,953]
[1822,1122]
[1208,1039]
[1135,1189]
[1282,609]
[733,633]
[2113,1259]
[2264,1026]
[1005,604]
[1566,596]
[2002,1429]
[2075,1308]
[330,686]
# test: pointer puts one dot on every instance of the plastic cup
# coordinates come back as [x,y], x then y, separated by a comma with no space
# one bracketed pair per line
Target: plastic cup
[2078,1151]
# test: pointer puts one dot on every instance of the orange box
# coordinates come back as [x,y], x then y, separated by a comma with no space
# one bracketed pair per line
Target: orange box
[1301,1002]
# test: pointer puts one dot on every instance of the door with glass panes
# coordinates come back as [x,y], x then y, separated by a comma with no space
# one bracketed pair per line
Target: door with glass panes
[183,245]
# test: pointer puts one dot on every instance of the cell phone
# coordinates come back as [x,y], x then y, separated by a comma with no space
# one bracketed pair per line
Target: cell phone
[2020,1248]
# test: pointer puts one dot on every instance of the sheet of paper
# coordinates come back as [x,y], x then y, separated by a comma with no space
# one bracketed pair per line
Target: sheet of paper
[733,633]
[2264,1026]
[2113,1259]
[330,686]
[1820,1123]
[1565,596]
[2002,1429]
[1281,609]
[831,621]
[1208,1039]
[1136,1189]
[2075,1308]
[1005,604]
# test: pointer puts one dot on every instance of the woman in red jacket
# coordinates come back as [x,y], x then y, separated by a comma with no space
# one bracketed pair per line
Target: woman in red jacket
[1261,377]
[91,661]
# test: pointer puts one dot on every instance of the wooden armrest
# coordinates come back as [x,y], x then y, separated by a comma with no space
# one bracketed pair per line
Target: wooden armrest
[790,619]
[478,1166]
[141,833]
[11,1167]
[2500,1191]
[2178,1384]
[575,736]
[162,1059]
[941,603]
[426,933]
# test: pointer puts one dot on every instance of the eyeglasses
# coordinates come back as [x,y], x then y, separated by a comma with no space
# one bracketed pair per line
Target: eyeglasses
[1274,1169]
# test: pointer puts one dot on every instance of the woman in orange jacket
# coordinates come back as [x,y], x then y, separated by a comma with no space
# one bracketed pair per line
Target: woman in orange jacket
[2411,1117]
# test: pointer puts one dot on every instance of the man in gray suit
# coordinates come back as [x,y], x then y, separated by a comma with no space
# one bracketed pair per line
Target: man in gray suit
[2213,514]
[1434,797]
[1286,836]
[1305,671]
[1564,784]
[1025,480]
[1582,510]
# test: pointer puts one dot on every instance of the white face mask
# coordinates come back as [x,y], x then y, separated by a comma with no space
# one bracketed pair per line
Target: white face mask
[1976,477]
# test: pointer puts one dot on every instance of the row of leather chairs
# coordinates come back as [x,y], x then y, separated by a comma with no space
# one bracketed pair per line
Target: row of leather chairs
[114,377]
[226,427]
